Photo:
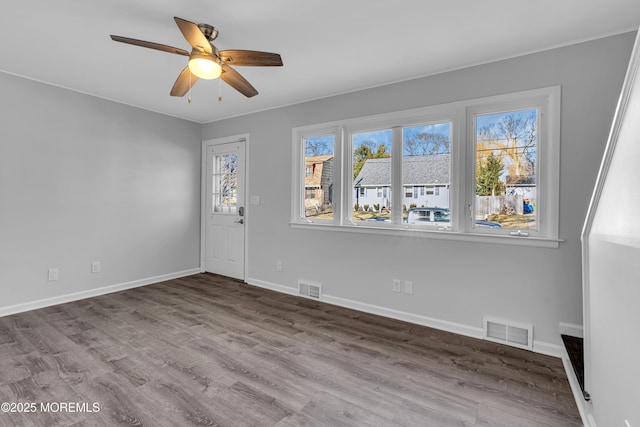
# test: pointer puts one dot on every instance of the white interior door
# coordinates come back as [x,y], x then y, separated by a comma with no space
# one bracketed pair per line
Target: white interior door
[224,213]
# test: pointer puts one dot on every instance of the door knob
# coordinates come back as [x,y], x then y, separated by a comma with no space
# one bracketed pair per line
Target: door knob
[240,221]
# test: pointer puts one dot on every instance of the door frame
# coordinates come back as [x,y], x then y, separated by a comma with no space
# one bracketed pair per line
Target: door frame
[244,137]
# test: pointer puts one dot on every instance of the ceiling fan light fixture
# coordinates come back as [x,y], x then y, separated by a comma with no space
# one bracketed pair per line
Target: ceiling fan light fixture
[204,66]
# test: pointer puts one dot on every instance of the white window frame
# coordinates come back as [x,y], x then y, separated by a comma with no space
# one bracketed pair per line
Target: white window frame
[462,169]
[395,121]
[547,104]
[298,213]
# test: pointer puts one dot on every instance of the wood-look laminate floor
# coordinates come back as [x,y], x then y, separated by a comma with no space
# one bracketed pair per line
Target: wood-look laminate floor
[207,350]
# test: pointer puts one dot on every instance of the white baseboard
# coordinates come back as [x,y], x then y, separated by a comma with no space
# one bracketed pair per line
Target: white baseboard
[272,286]
[583,405]
[571,329]
[417,319]
[381,311]
[61,299]
[444,325]
[549,349]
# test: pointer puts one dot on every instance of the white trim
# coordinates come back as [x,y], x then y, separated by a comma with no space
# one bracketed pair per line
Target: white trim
[542,347]
[633,70]
[547,102]
[272,286]
[203,197]
[571,329]
[407,231]
[462,116]
[417,319]
[443,325]
[75,296]
[299,135]
[583,406]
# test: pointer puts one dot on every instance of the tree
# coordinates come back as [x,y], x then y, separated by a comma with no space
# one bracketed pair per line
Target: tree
[365,152]
[488,173]
[426,144]
[318,147]
[514,137]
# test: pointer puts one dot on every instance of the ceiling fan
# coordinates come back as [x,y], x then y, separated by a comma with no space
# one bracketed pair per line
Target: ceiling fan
[206,61]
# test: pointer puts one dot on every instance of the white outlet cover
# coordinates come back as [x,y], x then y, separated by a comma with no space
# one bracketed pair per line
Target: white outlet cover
[408,287]
[397,285]
[254,200]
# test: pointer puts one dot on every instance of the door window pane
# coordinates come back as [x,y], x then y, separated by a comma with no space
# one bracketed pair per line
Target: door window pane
[225,181]
[505,172]
[318,180]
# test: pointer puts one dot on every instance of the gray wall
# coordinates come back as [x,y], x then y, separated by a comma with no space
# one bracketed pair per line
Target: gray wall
[84,179]
[455,282]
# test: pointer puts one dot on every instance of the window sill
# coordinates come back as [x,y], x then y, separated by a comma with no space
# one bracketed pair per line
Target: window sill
[539,242]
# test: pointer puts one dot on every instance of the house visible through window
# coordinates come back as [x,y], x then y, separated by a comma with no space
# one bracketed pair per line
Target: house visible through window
[505,174]
[371,169]
[475,168]
[426,162]
[318,181]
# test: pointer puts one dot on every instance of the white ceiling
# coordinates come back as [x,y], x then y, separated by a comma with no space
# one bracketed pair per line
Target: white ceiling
[327,46]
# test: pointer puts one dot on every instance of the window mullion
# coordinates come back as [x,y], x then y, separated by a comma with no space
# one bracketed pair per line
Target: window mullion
[396,176]
[338,176]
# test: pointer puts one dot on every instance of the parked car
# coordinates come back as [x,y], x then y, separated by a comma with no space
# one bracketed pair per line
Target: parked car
[439,217]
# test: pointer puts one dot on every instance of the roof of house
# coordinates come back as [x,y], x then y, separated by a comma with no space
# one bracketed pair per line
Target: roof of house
[418,170]
[317,159]
[316,163]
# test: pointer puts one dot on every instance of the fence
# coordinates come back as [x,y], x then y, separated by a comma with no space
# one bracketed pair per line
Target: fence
[509,204]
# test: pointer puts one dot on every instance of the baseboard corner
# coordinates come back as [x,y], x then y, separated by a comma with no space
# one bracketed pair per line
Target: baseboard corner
[571,329]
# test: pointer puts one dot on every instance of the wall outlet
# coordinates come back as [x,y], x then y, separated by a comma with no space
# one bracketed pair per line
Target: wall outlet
[53,274]
[408,287]
[278,265]
[95,267]
[397,286]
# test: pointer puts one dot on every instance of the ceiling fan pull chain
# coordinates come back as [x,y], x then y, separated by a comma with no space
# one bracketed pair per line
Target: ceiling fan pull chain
[220,91]
[189,98]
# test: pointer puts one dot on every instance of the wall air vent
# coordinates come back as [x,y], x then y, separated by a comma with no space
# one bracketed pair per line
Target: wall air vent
[309,289]
[507,332]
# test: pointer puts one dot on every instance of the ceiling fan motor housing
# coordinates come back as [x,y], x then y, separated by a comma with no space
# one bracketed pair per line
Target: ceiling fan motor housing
[209,31]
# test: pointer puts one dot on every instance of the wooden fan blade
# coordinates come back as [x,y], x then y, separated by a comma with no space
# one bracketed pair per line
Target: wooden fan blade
[251,57]
[194,36]
[150,45]
[236,81]
[183,83]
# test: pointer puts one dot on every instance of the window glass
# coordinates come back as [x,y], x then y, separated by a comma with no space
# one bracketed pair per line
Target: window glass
[505,171]
[319,174]
[372,169]
[426,163]
[225,181]
[478,167]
